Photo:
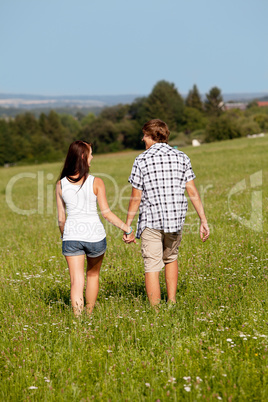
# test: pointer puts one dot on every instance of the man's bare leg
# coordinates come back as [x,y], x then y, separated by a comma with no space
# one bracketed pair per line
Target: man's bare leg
[153,287]
[171,274]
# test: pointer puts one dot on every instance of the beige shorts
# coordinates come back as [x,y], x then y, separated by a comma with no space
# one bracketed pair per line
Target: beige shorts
[159,248]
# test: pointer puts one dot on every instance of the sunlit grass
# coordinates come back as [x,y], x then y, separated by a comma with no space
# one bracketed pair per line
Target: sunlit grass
[212,345]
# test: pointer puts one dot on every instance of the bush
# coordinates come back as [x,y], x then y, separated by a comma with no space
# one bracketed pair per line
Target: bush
[222,128]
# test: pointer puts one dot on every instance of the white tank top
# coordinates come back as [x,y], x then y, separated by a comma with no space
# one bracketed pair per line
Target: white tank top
[83,222]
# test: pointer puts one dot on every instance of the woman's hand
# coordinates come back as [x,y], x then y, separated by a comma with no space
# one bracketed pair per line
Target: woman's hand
[129,238]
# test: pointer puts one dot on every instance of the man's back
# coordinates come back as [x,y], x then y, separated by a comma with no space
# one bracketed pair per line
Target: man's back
[161,173]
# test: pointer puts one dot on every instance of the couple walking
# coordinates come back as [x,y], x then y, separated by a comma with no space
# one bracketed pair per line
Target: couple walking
[159,178]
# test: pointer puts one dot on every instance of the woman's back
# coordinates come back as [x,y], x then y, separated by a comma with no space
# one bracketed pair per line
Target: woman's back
[83,222]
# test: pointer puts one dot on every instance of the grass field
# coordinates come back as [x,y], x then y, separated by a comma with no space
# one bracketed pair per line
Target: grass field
[211,346]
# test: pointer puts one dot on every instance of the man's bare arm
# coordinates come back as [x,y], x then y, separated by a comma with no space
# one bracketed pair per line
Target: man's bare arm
[196,201]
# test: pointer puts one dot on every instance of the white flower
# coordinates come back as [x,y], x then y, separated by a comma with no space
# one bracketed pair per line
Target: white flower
[245,339]
[229,340]
[187,389]
[187,378]
[46,379]
[199,379]
[33,387]
[147,384]
[109,351]
[218,397]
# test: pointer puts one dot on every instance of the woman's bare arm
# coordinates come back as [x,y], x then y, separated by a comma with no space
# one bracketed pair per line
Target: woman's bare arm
[99,191]
[60,207]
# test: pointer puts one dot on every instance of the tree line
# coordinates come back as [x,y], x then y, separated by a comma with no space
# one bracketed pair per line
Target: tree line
[46,138]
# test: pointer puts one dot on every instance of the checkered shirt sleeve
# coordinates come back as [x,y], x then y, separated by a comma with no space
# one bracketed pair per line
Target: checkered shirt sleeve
[189,174]
[136,177]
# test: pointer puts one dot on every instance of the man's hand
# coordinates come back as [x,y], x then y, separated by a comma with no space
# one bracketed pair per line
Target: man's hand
[129,238]
[204,231]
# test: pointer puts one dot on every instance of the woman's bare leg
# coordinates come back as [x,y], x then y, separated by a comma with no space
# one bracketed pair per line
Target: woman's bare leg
[76,269]
[92,288]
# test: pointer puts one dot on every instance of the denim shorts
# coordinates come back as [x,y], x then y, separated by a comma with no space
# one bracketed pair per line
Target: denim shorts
[75,247]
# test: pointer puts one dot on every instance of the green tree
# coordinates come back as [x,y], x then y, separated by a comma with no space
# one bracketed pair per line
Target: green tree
[252,104]
[51,126]
[102,134]
[7,134]
[262,121]
[222,128]
[165,103]
[193,120]
[193,99]
[79,116]
[214,102]
[115,113]
[71,128]
[130,134]
[137,110]
[26,127]
[88,119]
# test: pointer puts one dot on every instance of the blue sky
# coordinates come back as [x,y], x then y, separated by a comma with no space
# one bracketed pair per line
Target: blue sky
[97,47]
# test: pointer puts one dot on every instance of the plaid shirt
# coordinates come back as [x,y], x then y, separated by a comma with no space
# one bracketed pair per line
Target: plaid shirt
[161,172]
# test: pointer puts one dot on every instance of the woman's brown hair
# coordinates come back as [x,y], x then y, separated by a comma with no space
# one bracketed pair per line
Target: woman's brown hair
[76,161]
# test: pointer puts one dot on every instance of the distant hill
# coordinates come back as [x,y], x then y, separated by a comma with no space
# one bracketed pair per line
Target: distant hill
[36,101]
[13,104]
[245,97]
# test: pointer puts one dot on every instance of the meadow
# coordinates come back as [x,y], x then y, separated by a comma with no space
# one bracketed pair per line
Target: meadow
[212,345]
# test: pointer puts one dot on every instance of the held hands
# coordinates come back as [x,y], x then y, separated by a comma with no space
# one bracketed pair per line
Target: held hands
[129,237]
[204,231]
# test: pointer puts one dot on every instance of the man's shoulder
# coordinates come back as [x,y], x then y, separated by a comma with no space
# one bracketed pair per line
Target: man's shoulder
[161,149]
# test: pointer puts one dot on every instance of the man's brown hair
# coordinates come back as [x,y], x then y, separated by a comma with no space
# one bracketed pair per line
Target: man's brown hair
[157,130]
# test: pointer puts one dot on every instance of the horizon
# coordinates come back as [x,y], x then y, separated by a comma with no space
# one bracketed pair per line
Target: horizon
[119,94]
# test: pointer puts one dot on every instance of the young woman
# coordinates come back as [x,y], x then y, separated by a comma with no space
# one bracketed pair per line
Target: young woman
[77,194]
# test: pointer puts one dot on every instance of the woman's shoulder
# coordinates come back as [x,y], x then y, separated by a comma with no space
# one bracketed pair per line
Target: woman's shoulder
[98,181]
[98,184]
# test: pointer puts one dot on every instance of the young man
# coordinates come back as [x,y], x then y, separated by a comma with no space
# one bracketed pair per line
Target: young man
[159,178]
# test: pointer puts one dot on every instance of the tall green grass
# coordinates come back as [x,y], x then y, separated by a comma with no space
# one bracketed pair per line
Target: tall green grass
[211,346]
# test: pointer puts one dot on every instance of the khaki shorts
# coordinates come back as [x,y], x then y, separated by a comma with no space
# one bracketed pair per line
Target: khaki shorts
[159,248]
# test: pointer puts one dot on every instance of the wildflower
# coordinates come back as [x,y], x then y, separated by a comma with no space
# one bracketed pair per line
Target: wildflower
[33,387]
[172,379]
[109,351]
[147,384]
[187,378]
[187,389]
[229,340]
